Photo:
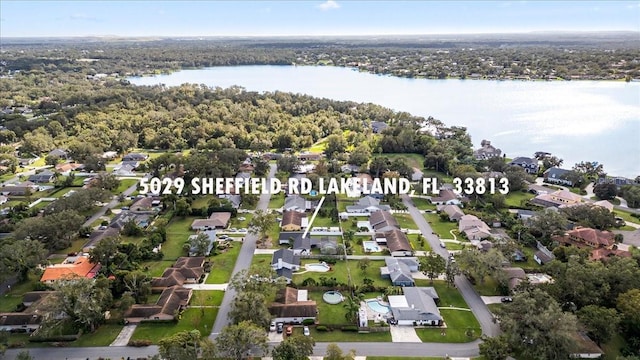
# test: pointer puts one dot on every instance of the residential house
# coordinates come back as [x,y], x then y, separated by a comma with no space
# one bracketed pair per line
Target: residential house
[398,243]
[3,199]
[485,245]
[349,168]
[20,321]
[382,221]
[530,165]
[582,347]
[518,256]
[297,203]
[186,270]
[32,298]
[109,155]
[59,153]
[135,157]
[289,237]
[292,306]
[141,219]
[217,220]
[543,255]
[45,176]
[171,302]
[27,161]
[234,199]
[605,204]
[211,238]
[367,205]
[307,156]
[399,270]
[453,211]
[145,204]
[416,307]
[124,170]
[560,198]
[602,243]
[473,228]
[66,168]
[293,221]
[525,215]
[303,246]
[557,176]
[285,262]
[20,189]
[445,197]
[78,266]
[514,276]
[378,126]
[417,174]
[486,151]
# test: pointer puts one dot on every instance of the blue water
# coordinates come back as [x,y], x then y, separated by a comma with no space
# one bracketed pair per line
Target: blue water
[371,246]
[575,120]
[377,307]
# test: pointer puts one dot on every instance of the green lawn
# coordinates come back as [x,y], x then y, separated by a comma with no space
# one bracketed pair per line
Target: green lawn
[339,271]
[9,302]
[222,265]
[201,319]
[454,246]
[406,221]
[124,185]
[422,204]
[318,147]
[156,268]
[515,198]
[442,228]
[626,216]
[449,296]
[276,201]
[103,336]
[488,288]
[320,221]
[413,160]
[206,298]
[201,201]
[261,261]
[178,232]
[462,327]
[413,239]
[240,224]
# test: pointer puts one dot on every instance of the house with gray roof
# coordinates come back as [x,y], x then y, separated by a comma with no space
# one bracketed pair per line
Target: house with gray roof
[367,205]
[416,307]
[285,262]
[45,176]
[486,151]
[297,203]
[557,176]
[382,221]
[530,165]
[378,126]
[453,211]
[399,270]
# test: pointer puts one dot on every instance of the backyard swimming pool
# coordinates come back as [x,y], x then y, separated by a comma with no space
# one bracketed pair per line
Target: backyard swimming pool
[371,246]
[376,306]
[332,297]
[318,267]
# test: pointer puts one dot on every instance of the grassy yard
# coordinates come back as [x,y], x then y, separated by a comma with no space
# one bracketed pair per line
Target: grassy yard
[194,318]
[515,198]
[276,201]
[318,147]
[339,271]
[320,221]
[10,302]
[488,288]
[103,336]
[442,228]
[124,185]
[462,327]
[206,298]
[156,268]
[76,246]
[626,216]
[261,261]
[406,221]
[413,160]
[413,239]
[422,204]
[449,296]
[222,265]
[178,231]
[240,224]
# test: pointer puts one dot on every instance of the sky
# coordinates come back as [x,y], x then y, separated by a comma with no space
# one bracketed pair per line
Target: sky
[329,17]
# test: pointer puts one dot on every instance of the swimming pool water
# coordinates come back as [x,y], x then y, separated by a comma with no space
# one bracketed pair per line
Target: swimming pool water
[371,246]
[377,307]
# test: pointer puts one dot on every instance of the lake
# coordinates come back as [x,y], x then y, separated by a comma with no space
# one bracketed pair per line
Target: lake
[574,120]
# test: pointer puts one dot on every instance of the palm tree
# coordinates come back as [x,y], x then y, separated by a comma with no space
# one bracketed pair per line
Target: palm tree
[352,304]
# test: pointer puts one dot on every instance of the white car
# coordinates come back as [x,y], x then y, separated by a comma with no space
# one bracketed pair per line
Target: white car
[272,327]
[306,331]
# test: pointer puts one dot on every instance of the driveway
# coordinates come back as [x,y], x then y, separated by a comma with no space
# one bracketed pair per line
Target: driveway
[274,337]
[125,334]
[404,334]
[492,299]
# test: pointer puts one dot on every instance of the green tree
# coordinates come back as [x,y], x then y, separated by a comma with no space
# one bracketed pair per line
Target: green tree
[182,207]
[296,347]
[238,341]
[432,265]
[334,352]
[138,284]
[20,257]
[183,345]
[106,181]
[494,348]
[535,326]
[605,191]
[250,306]
[547,223]
[261,222]
[104,251]
[200,244]
[452,270]
[336,144]
[352,306]
[363,264]
[601,323]
[288,164]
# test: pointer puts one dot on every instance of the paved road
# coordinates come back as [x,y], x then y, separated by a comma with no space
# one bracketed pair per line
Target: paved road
[243,262]
[480,310]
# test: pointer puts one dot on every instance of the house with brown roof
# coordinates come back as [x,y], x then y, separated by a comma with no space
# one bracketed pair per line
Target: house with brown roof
[307,156]
[398,243]
[602,242]
[292,306]
[170,303]
[217,220]
[186,270]
[514,276]
[28,322]
[66,168]
[453,211]
[486,151]
[560,198]
[381,221]
[293,221]
[79,266]
[473,228]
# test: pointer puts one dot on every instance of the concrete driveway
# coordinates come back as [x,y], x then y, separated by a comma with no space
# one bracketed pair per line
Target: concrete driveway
[491,299]
[404,334]
[274,337]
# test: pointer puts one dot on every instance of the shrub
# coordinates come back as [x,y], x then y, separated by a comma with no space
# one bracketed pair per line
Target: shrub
[139,343]
[308,321]
[321,328]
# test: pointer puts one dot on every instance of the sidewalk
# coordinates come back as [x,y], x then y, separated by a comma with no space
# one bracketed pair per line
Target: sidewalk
[125,334]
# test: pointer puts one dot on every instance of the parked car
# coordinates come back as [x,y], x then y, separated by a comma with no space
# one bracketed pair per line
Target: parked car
[289,330]
[279,327]
[306,331]
[442,245]
[272,327]
[506,299]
